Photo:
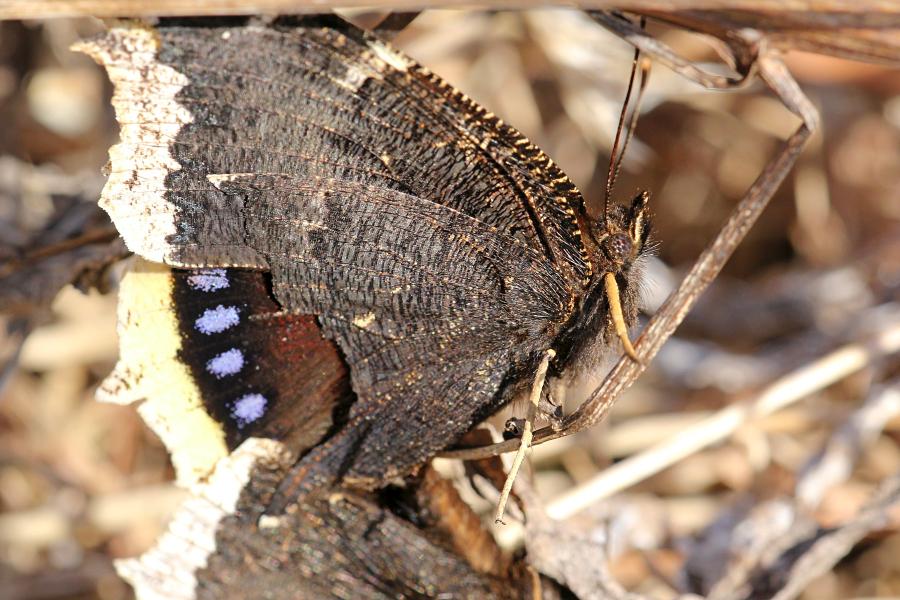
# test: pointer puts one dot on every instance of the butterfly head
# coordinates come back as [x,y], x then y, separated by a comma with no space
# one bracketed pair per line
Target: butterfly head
[620,236]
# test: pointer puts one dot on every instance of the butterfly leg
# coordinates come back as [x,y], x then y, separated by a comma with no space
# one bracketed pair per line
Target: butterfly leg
[551,409]
[513,428]
[527,433]
[548,408]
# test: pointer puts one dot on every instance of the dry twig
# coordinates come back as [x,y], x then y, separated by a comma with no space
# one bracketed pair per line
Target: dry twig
[781,393]
[35,9]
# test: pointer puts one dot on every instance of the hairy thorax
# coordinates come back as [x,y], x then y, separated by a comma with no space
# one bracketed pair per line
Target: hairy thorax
[617,245]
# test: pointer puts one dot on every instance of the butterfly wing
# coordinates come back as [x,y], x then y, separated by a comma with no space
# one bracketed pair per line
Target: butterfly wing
[436,244]
[433,309]
[202,351]
[311,100]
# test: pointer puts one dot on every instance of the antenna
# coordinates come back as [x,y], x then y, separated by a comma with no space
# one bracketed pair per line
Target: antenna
[615,157]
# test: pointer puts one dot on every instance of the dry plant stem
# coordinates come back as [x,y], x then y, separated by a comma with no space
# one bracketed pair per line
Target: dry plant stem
[773,555]
[661,53]
[394,23]
[849,10]
[704,271]
[525,440]
[94,236]
[777,533]
[868,38]
[835,462]
[806,552]
[831,547]
[567,553]
[783,392]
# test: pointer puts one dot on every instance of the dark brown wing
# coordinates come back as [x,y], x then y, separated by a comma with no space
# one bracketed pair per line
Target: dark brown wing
[469,159]
[333,102]
[433,309]
[432,240]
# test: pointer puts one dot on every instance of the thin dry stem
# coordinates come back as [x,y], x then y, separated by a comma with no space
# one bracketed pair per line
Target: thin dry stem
[776,536]
[835,462]
[644,42]
[833,545]
[44,9]
[783,392]
[525,440]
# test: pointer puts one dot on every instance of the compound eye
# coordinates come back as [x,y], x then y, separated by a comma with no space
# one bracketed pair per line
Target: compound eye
[617,247]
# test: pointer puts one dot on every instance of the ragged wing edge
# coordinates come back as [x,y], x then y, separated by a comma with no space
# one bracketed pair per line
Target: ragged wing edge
[168,571]
[149,122]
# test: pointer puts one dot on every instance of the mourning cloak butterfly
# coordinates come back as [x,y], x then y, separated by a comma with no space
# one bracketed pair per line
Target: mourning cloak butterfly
[305,167]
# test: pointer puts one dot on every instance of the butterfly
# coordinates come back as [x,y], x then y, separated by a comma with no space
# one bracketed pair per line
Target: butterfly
[438,250]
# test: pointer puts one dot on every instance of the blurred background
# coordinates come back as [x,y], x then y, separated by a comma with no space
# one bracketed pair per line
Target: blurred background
[84,483]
